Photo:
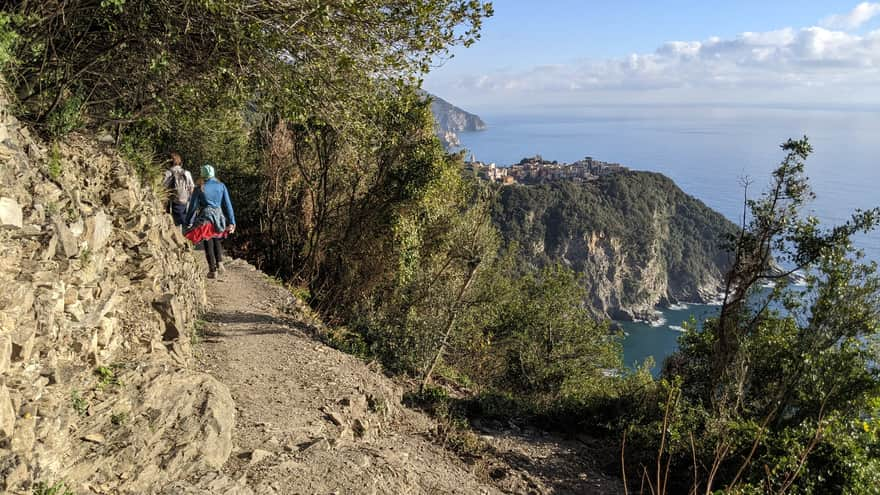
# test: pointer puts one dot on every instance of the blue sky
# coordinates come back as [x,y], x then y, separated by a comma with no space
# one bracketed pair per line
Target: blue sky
[569,51]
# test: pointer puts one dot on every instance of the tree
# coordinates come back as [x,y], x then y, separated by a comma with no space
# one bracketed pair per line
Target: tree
[777,231]
[550,348]
[125,61]
[764,382]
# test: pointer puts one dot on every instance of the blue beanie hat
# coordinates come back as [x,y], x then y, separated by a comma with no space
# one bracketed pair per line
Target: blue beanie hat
[207,171]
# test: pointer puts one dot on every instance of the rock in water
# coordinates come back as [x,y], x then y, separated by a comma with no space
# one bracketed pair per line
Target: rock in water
[449,120]
[637,239]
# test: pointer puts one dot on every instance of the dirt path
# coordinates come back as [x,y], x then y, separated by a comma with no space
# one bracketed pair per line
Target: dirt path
[311,419]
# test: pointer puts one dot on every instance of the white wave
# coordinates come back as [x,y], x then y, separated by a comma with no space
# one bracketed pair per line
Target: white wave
[716,301]
[659,322]
[677,328]
[679,307]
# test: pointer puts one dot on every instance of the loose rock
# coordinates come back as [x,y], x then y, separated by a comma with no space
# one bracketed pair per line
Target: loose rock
[258,455]
[94,438]
[10,213]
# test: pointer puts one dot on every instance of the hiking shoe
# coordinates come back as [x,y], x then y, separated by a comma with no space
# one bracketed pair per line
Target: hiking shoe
[212,275]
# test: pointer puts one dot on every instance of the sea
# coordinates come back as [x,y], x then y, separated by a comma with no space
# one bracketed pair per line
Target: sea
[710,152]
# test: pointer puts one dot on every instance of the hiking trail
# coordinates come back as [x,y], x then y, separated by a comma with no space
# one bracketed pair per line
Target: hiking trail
[311,419]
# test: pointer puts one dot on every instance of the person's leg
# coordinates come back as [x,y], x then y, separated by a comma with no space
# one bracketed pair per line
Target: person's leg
[178,212]
[209,254]
[218,251]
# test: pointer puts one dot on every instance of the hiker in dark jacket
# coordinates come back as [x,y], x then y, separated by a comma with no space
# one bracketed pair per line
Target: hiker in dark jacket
[215,220]
[179,184]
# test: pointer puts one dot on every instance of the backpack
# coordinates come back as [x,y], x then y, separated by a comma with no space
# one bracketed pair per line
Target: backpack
[180,188]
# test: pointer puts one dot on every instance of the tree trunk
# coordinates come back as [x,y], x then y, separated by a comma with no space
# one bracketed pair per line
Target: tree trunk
[450,324]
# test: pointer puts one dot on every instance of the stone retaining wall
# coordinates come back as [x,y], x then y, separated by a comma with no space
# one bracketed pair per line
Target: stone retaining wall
[99,293]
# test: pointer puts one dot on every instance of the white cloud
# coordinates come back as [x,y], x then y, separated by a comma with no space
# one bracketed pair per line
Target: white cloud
[854,19]
[786,61]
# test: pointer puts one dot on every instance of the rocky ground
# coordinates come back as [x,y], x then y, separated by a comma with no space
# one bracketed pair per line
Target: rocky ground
[311,419]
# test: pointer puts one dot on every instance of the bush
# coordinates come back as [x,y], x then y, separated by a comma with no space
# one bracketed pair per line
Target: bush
[42,488]
[66,117]
[8,40]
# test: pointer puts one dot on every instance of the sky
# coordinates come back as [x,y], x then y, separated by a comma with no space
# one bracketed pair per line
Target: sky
[805,53]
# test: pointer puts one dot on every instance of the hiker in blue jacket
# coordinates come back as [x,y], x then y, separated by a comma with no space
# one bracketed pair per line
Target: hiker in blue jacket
[215,220]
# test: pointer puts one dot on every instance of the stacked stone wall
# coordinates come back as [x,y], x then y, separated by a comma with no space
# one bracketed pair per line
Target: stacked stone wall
[99,294]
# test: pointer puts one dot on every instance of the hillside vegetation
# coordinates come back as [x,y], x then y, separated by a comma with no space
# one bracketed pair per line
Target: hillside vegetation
[312,113]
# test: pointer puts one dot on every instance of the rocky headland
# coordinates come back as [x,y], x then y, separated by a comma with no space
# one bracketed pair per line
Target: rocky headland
[451,120]
[636,238]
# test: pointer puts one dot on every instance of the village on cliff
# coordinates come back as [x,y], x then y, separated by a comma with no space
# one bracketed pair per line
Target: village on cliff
[536,169]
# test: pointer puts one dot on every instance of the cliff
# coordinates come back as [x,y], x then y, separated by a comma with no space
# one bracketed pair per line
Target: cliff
[450,120]
[638,239]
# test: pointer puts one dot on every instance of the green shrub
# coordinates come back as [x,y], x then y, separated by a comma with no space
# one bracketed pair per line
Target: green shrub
[66,117]
[139,150]
[80,405]
[107,377]
[54,165]
[8,40]
[42,488]
[342,339]
[762,399]
[118,419]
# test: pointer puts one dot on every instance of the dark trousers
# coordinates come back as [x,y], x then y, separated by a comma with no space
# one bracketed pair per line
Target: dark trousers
[214,253]
[178,213]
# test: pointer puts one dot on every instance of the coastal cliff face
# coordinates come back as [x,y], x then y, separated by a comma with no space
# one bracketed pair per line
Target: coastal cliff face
[99,296]
[637,239]
[450,120]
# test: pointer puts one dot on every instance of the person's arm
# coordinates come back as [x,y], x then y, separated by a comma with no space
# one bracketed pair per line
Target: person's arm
[194,203]
[166,179]
[227,205]
[190,185]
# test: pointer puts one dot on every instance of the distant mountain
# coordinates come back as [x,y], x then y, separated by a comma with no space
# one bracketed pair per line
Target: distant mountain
[450,120]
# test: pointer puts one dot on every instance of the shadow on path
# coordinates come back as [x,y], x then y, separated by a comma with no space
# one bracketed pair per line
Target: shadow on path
[564,466]
[236,324]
